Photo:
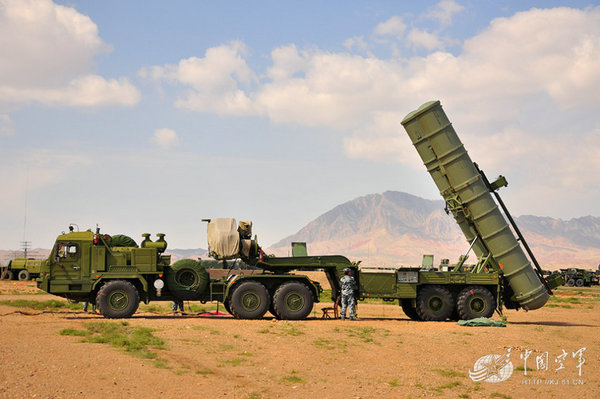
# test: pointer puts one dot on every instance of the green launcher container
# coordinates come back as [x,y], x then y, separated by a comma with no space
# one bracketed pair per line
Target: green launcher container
[471,202]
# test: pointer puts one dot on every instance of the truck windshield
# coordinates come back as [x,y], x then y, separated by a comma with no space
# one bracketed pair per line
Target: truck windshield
[66,251]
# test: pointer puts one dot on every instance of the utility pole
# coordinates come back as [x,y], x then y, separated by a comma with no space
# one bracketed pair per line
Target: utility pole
[25,245]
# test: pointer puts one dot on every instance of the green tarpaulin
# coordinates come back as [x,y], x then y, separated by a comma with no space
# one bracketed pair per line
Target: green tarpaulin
[481,322]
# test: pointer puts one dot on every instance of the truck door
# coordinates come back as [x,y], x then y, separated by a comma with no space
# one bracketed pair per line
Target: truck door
[67,263]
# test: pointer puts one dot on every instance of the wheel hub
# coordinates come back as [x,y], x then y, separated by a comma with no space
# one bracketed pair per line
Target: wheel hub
[186,278]
[477,305]
[118,300]
[294,301]
[436,304]
[250,301]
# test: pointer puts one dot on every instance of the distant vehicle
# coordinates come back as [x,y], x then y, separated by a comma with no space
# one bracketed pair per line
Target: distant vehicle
[575,277]
[22,269]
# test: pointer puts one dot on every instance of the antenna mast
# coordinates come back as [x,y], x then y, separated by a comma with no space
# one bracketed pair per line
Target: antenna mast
[25,245]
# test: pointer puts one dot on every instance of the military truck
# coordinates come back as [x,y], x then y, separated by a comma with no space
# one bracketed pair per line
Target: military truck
[117,275]
[575,277]
[89,266]
[22,269]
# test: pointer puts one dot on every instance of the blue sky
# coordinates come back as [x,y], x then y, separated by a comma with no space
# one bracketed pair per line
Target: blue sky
[149,116]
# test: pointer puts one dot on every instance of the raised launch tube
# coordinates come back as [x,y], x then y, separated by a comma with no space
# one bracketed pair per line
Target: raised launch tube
[471,202]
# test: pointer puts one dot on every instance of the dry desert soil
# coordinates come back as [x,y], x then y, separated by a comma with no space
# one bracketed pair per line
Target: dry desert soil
[52,350]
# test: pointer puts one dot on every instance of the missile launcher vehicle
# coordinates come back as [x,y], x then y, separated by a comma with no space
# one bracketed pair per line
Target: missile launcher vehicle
[577,277]
[22,269]
[117,274]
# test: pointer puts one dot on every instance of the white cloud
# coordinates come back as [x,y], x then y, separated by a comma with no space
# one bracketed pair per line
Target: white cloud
[48,51]
[356,42]
[90,90]
[444,11]
[7,127]
[287,62]
[548,57]
[418,38]
[394,26]
[165,138]
[213,80]
[335,90]
[496,68]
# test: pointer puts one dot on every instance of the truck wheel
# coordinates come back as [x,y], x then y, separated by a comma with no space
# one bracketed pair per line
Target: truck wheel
[579,282]
[250,300]
[8,275]
[454,316]
[409,310]
[118,299]
[571,282]
[23,275]
[293,301]
[475,301]
[273,312]
[434,303]
[227,307]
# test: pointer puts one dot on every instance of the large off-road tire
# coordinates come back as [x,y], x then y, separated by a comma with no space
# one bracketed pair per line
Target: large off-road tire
[579,282]
[409,310]
[454,316]
[121,240]
[24,275]
[117,299]
[571,282]
[475,301]
[293,301]
[434,303]
[9,275]
[187,279]
[273,312]
[227,307]
[250,300]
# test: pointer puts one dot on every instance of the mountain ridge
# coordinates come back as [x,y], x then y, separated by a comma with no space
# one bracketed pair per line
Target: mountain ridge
[395,227]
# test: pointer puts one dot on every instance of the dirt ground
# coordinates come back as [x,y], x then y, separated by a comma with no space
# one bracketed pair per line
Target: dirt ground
[384,355]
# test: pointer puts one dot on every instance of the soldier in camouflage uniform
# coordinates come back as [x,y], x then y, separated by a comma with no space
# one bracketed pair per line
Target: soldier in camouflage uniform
[348,284]
[178,303]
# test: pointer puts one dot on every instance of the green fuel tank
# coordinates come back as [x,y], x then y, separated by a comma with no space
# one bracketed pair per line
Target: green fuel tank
[469,199]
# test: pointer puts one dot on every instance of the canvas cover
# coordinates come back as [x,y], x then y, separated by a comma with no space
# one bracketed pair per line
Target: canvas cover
[481,322]
[246,245]
[245,229]
[223,238]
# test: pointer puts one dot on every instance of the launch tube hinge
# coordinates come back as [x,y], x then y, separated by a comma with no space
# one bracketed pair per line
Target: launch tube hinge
[487,262]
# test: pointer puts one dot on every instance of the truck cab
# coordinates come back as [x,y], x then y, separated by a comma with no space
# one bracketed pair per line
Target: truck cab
[68,267]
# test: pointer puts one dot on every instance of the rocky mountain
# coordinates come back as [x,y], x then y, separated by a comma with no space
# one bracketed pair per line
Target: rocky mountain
[396,228]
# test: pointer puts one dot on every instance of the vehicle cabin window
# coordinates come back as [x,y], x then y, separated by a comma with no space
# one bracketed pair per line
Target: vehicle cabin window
[66,251]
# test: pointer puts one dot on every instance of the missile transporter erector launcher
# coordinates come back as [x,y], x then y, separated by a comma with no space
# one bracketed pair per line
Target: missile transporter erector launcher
[117,274]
